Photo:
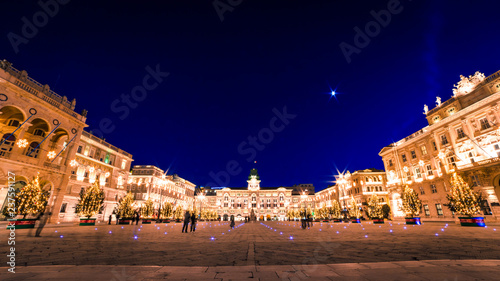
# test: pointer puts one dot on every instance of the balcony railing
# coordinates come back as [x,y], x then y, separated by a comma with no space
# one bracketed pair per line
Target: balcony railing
[23,81]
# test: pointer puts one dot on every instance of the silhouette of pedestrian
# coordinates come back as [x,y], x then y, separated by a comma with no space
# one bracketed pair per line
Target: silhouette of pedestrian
[137,217]
[193,223]
[117,218]
[109,221]
[187,218]
[43,220]
[232,222]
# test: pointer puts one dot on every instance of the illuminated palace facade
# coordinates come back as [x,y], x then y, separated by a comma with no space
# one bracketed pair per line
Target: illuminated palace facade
[39,132]
[96,161]
[150,182]
[463,136]
[266,203]
[360,185]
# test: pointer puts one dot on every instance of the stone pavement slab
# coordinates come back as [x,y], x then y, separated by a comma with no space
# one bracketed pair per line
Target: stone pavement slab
[426,270]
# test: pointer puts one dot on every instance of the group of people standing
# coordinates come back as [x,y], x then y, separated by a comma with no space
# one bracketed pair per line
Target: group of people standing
[192,218]
[189,218]
[307,220]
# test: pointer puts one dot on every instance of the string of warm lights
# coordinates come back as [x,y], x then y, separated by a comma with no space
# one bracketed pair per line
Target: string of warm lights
[31,199]
[374,208]
[462,199]
[354,210]
[411,203]
[91,200]
[125,209]
[147,209]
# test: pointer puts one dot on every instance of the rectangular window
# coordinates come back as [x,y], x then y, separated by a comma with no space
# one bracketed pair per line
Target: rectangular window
[63,207]
[423,149]
[418,173]
[408,176]
[426,210]
[439,209]
[124,164]
[434,146]
[413,154]
[390,160]
[433,188]
[444,140]
[403,157]
[422,191]
[484,124]
[460,133]
[497,149]
[475,180]
[429,170]
[79,150]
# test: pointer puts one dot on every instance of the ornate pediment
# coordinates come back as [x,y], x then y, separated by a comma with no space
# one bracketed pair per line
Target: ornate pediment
[467,84]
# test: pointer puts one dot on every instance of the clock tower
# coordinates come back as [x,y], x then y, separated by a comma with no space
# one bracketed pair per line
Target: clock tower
[253,180]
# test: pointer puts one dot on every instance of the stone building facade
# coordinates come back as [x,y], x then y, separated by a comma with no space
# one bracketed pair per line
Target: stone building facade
[360,185]
[267,203]
[39,132]
[96,160]
[147,181]
[462,136]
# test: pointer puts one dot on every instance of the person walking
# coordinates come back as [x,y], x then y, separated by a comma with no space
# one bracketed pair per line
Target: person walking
[137,217]
[193,222]
[117,218]
[308,218]
[303,219]
[187,218]
[232,222]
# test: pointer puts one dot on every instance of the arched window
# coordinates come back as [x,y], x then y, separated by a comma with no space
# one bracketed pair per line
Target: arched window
[39,132]
[13,123]
[33,150]
[8,144]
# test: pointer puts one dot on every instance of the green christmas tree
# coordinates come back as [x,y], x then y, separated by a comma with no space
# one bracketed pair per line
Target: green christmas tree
[125,209]
[147,209]
[334,210]
[31,199]
[323,213]
[374,208]
[411,203]
[354,211]
[167,211]
[178,213]
[91,200]
[462,198]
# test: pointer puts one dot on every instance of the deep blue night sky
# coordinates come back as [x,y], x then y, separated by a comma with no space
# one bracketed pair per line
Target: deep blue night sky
[226,77]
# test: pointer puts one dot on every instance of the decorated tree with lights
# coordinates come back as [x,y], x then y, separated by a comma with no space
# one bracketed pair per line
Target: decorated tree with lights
[194,212]
[90,201]
[147,209]
[411,203]
[178,213]
[323,213]
[125,206]
[31,199]
[167,211]
[374,208]
[354,211]
[334,210]
[462,198]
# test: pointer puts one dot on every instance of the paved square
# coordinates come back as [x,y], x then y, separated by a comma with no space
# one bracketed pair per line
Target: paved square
[254,244]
